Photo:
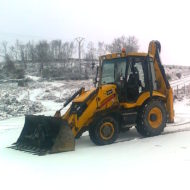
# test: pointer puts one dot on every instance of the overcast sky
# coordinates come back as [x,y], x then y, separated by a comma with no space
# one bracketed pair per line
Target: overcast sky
[100,20]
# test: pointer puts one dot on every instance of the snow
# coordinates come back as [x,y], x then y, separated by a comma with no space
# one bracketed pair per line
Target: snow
[181,82]
[34,78]
[133,162]
[36,96]
[136,163]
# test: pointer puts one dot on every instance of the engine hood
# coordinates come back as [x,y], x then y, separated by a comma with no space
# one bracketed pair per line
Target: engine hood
[84,95]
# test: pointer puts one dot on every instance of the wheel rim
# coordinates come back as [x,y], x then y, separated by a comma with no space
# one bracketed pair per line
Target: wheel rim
[155,117]
[106,130]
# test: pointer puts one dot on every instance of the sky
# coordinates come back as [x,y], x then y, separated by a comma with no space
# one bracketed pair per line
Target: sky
[101,20]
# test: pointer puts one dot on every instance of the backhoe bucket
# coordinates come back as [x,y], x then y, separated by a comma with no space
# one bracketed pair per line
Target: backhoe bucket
[42,135]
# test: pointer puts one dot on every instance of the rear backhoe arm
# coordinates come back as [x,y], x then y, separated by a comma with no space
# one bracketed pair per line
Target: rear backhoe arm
[163,83]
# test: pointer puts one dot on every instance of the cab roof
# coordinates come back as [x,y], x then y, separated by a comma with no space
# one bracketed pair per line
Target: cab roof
[123,54]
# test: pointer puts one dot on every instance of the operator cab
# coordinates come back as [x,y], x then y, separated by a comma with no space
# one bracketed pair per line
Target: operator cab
[133,74]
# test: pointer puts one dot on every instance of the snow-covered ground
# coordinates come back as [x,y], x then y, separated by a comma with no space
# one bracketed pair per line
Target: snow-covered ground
[36,97]
[180,82]
[133,162]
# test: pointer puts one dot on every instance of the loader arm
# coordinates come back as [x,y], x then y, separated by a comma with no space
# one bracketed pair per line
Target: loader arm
[83,109]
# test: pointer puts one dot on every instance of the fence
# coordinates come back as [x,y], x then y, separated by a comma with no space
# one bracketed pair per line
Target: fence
[181,89]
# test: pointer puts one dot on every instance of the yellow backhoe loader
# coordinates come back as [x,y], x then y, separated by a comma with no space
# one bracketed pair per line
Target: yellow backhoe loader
[132,90]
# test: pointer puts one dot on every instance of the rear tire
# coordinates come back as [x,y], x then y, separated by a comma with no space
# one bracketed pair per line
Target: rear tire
[105,131]
[152,119]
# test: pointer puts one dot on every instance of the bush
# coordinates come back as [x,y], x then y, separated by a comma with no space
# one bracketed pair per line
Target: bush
[52,72]
[64,74]
[168,76]
[22,83]
[9,65]
[20,73]
[178,75]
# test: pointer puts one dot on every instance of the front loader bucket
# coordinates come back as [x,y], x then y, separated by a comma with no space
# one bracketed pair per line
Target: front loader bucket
[42,135]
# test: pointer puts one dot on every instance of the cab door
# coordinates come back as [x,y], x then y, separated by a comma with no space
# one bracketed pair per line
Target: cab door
[136,81]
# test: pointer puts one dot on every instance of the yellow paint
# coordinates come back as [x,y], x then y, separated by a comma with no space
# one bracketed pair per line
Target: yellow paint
[94,104]
[169,105]
[84,95]
[114,55]
[142,98]
[122,54]
[158,120]
[138,54]
[106,126]
[160,80]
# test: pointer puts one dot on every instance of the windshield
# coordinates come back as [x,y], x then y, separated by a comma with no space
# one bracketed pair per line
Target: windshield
[113,70]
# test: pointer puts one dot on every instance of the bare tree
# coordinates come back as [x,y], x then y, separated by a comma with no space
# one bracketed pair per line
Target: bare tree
[12,52]
[79,40]
[129,43]
[132,44]
[19,52]
[22,49]
[9,64]
[4,48]
[101,48]
[31,49]
[91,54]
[56,49]
[43,54]
[117,44]
[67,51]
[16,52]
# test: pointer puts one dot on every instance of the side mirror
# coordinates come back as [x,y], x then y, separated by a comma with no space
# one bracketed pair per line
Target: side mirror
[95,80]
[96,77]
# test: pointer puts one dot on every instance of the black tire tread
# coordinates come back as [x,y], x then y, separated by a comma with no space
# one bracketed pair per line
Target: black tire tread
[143,127]
[94,135]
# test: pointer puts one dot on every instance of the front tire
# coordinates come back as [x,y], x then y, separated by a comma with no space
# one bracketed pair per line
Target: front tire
[105,131]
[152,119]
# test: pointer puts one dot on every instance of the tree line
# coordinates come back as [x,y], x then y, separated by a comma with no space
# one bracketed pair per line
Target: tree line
[44,52]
